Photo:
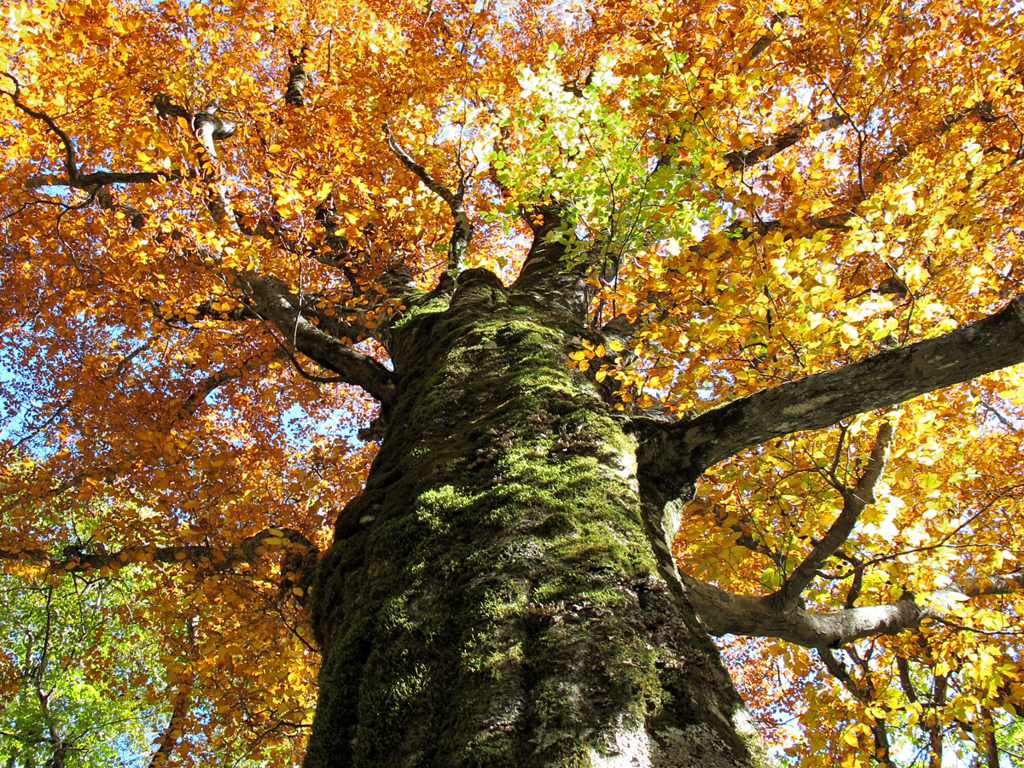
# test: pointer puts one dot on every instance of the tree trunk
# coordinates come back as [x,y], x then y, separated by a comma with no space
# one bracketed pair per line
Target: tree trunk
[493,598]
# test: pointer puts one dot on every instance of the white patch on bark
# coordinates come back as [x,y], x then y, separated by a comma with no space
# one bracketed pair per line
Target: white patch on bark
[626,465]
[696,746]
[631,749]
[801,409]
[744,724]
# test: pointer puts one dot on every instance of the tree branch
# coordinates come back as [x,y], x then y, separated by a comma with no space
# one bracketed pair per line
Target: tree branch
[74,560]
[462,231]
[297,78]
[903,667]
[785,139]
[208,127]
[863,692]
[274,301]
[860,191]
[70,165]
[854,502]
[551,273]
[763,42]
[725,613]
[181,695]
[839,671]
[101,178]
[90,182]
[672,456]
[219,378]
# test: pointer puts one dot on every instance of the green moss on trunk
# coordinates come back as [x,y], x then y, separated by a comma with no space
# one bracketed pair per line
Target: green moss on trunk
[492,599]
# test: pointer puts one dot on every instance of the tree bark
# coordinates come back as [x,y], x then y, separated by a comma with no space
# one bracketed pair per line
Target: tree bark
[492,598]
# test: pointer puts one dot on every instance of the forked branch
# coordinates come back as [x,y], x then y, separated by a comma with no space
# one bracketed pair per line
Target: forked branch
[93,183]
[462,231]
[854,501]
[70,163]
[725,613]
[867,180]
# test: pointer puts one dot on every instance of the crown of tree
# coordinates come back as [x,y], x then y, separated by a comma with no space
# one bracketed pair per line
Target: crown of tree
[482,358]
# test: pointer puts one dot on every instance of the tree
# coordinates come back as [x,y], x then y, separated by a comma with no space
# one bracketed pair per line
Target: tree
[68,655]
[563,263]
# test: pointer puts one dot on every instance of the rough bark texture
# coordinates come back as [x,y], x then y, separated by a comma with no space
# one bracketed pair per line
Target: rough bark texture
[492,598]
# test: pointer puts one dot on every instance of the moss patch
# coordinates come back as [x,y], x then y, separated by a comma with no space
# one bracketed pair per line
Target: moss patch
[487,599]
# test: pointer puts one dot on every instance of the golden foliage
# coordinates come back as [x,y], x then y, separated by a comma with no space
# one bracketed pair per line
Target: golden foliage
[854,178]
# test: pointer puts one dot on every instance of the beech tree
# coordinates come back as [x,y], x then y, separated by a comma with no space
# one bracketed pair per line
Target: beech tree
[449,374]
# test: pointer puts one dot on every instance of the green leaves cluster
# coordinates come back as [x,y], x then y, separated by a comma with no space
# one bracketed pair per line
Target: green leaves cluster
[68,656]
[599,149]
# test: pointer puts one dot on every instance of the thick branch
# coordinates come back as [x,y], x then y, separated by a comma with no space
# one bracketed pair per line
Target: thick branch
[273,300]
[854,501]
[672,456]
[782,140]
[725,613]
[349,325]
[56,740]
[78,561]
[297,79]
[107,202]
[462,231]
[903,666]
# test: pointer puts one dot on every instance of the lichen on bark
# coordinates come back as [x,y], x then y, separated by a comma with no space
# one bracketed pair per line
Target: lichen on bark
[492,598]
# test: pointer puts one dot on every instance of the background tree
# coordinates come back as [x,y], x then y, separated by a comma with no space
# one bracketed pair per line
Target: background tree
[65,698]
[561,264]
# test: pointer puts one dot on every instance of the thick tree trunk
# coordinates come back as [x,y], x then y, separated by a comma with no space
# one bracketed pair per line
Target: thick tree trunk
[493,598]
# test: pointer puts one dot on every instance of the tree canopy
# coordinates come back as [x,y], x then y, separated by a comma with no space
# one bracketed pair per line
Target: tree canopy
[800,231]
